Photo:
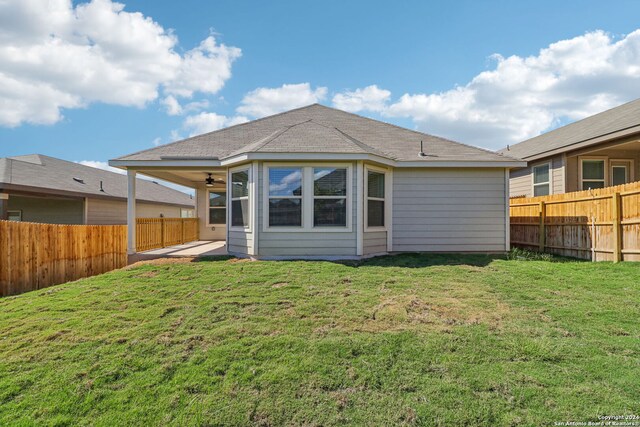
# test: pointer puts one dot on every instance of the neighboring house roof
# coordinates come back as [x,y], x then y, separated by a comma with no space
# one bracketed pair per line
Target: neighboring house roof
[44,174]
[316,129]
[614,123]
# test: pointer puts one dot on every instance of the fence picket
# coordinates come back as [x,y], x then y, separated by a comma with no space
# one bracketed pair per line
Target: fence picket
[155,233]
[34,256]
[601,224]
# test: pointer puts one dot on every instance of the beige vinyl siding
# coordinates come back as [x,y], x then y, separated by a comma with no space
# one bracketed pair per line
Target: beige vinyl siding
[112,212]
[572,174]
[521,180]
[208,232]
[273,243]
[449,210]
[557,175]
[48,210]
[151,210]
[101,211]
[374,242]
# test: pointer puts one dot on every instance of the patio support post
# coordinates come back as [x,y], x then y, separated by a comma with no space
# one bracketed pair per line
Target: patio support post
[131,212]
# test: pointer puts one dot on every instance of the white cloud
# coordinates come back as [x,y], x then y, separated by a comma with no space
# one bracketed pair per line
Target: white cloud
[157,141]
[267,101]
[371,98]
[175,135]
[101,165]
[55,56]
[171,105]
[204,69]
[522,97]
[287,184]
[174,108]
[196,106]
[208,122]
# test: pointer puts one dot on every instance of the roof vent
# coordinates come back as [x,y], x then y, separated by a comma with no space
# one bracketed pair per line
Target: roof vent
[101,189]
[78,180]
[508,148]
[422,153]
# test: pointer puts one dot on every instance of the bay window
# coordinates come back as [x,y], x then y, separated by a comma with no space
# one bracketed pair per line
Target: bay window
[239,188]
[375,198]
[329,197]
[285,197]
[307,198]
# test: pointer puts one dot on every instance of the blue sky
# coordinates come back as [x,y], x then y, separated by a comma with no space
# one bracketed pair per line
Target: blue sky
[421,62]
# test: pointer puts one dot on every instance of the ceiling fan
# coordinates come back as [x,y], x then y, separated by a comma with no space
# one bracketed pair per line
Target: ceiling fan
[211,180]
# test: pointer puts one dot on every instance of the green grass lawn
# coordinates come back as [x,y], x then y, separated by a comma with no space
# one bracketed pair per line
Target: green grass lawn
[412,339]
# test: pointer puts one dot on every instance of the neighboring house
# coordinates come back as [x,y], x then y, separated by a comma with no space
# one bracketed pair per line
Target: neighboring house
[320,182]
[39,188]
[596,152]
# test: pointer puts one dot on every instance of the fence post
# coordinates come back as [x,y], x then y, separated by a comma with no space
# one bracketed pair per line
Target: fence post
[541,231]
[162,233]
[615,209]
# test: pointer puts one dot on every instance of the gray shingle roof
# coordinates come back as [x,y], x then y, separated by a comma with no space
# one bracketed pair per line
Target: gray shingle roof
[318,129]
[618,121]
[48,173]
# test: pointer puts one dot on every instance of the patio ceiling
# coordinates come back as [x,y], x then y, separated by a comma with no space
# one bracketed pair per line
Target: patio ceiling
[188,177]
[624,145]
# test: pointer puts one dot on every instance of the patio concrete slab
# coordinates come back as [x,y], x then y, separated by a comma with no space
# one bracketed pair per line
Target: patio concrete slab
[188,250]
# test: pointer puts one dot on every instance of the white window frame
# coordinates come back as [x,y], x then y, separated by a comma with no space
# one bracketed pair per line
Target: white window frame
[626,163]
[307,197]
[533,178]
[387,190]
[314,197]
[226,206]
[268,197]
[230,199]
[581,179]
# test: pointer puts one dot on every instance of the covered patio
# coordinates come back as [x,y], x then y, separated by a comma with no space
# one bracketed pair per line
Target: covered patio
[209,230]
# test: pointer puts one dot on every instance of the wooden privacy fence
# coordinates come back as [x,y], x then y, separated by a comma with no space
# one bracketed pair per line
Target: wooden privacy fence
[600,225]
[34,256]
[154,233]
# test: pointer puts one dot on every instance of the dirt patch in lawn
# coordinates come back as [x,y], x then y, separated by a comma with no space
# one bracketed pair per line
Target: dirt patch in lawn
[237,260]
[160,261]
[407,311]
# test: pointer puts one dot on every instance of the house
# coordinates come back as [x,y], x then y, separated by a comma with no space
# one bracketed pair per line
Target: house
[320,182]
[39,188]
[600,151]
